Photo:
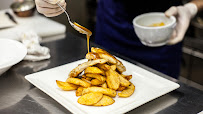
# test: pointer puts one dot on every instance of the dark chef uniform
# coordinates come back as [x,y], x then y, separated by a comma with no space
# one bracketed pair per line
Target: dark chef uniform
[114,31]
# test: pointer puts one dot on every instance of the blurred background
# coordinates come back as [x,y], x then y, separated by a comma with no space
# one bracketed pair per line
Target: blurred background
[84,12]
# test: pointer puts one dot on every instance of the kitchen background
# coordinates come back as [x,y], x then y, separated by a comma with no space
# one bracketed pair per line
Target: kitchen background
[84,11]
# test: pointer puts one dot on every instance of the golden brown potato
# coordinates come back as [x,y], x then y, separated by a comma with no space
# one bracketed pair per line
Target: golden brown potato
[113,67]
[105,101]
[96,82]
[112,79]
[128,91]
[124,82]
[103,66]
[97,76]
[87,78]
[92,56]
[79,91]
[110,58]
[90,98]
[88,81]
[106,91]
[128,77]
[104,85]
[121,88]
[78,81]
[120,67]
[104,55]
[94,70]
[76,71]
[66,86]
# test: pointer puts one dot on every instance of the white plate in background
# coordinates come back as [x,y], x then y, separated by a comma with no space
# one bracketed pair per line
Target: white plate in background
[148,86]
[11,52]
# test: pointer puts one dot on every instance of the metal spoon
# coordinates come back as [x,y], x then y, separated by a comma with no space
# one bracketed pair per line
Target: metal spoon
[75,25]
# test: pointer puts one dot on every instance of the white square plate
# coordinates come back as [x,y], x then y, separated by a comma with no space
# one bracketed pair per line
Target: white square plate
[148,86]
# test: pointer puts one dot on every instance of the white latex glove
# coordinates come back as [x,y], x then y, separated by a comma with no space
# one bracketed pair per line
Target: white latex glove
[49,7]
[183,16]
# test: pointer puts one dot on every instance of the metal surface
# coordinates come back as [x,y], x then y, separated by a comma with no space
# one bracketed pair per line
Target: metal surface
[18,96]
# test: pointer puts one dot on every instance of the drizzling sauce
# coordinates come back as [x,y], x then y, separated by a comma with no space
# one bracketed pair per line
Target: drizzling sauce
[86,31]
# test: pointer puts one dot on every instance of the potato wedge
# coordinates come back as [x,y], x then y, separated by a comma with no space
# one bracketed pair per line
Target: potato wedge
[76,71]
[92,56]
[121,88]
[104,85]
[128,77]
[120,67]
[88,81]
[128,91]
[106,91]
[124,82]
[94,70]
[97,76]
[110,58]
[113,67]
[78,81]
[96,82]
[105,101]
[103,66]
[90,98]
[79,91]
[112,79]
[66,86]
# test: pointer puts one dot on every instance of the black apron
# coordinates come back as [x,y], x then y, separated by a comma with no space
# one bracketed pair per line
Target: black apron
[114,31]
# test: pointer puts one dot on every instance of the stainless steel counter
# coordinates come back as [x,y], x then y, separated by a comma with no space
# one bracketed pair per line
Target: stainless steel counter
[18,96]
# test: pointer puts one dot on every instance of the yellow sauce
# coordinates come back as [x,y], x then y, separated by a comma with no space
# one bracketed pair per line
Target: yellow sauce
[88,33]
[157,24]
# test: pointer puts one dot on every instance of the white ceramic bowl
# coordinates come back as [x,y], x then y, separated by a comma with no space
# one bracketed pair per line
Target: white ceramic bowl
[11,52]
[154,36]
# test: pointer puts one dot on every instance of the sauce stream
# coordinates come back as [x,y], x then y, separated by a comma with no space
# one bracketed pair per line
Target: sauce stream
[86,31]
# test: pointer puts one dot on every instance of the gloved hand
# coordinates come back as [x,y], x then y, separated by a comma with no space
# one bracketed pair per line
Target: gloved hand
[49,7]
[183,16]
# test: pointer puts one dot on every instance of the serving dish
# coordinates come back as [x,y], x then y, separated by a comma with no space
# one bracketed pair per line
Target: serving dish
[148,86]
[154,36]
[12,52]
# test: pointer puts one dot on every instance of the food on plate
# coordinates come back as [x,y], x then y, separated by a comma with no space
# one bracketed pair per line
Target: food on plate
[86,80]
[96,82]
[121,88]
[78,81]
[76,71]
[79,91]
[128,77]
[113,67]
[112,79]
[96,76]
[104,55]
[104,85]
[105,101]
[90,98]
[128,91]
[66,86]
[105,91]
[124,82]
[94,70]
[103,66]
[98,79]
[92,56]
[121,68]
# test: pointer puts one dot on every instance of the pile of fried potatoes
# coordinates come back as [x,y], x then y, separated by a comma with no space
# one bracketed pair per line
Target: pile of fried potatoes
[98,79]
